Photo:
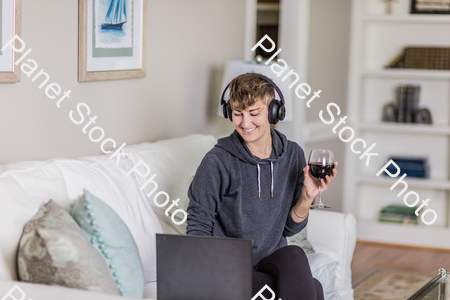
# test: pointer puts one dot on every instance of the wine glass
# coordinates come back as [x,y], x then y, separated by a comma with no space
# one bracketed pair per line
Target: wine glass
[321,164]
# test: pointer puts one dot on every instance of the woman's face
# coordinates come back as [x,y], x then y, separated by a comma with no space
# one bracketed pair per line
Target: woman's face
[252,123]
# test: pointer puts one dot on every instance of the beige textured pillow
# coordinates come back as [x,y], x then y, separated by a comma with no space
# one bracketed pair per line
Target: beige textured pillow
[53,250]
[301,239]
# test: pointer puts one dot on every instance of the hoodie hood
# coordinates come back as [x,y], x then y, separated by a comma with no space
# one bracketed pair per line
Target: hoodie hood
[239,149]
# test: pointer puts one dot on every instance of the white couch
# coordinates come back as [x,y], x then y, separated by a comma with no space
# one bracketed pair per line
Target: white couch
[25,186]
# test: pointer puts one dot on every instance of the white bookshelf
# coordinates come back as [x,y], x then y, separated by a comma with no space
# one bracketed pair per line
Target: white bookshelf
[376,38]
[414,183]
[406,18]
[405,128]
[406,74]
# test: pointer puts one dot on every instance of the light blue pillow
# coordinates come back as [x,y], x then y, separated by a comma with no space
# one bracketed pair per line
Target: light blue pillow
[112,238]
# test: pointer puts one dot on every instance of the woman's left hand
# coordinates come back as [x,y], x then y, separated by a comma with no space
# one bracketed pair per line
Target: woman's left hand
[311,184]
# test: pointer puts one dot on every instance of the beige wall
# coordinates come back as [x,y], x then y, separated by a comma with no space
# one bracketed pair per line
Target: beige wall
[329,44]
[328,71]
[188,44]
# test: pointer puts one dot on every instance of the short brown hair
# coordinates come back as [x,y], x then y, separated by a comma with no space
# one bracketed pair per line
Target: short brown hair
[247,89]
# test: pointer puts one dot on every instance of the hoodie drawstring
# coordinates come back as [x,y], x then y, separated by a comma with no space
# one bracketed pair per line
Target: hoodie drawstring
[259,180]
[271,169]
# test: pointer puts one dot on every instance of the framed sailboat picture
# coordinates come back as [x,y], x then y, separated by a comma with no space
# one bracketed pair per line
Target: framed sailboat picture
[10,25]
[112,39]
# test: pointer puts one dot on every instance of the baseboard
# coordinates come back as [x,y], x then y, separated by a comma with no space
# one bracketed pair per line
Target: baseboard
[392,245]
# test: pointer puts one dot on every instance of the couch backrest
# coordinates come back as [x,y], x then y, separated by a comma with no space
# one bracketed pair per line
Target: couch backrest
[25,186]
[174,161]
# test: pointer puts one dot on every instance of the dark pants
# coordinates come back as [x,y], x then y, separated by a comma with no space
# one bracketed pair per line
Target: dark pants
[286,271]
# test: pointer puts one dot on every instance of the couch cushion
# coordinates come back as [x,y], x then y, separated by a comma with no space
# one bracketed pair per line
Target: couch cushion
[54,251]
[112,238]
[24,188]
[25,290]
[150,290]
[109,182]
[334,234]
[324,269]
[174,161]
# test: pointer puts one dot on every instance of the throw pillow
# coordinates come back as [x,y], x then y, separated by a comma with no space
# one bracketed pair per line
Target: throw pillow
[109,182]
[53,250]
[112,238]
[301,239]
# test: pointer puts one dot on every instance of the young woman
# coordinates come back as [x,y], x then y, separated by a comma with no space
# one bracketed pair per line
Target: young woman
[256,184]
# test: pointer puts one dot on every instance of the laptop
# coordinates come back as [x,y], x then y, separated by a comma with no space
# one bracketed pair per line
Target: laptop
[190,267]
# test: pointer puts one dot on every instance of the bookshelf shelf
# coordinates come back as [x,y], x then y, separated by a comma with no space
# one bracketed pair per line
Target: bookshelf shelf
[432,236]
[406,128]
[418,183]
[268,7]
[407,74]
[376,39]
[407,19]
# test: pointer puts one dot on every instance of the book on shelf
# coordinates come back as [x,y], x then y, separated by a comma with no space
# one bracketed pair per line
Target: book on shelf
[401,103]
[407,102]
[400,214]
[412,102]
[412,166]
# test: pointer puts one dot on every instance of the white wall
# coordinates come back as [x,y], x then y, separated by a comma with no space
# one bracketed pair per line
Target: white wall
[188,44]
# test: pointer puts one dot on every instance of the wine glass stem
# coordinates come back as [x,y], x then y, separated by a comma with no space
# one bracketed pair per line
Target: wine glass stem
[320,194]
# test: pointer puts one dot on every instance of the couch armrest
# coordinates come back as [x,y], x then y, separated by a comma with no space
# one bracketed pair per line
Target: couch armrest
[334,234]
[48,292]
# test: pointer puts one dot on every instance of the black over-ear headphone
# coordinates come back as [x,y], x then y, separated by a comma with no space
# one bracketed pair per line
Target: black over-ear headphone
[277,110]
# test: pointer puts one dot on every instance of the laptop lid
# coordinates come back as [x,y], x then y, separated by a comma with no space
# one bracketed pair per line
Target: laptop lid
[193,267]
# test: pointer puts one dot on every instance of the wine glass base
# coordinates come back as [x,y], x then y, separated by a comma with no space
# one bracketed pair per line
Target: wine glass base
[319,206]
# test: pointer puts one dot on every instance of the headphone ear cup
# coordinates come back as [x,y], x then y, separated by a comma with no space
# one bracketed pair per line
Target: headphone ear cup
[224,111]
[281,112]
[277,111]
[227,110]
[273,112]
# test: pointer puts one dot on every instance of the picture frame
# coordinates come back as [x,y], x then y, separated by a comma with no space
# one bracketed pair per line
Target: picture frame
[10,25]
[430,6]
[111,39]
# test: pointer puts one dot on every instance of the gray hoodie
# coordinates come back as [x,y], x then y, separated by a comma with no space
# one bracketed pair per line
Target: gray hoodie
[236,194]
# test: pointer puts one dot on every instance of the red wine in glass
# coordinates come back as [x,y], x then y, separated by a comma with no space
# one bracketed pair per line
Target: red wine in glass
[320,171]
[321,164]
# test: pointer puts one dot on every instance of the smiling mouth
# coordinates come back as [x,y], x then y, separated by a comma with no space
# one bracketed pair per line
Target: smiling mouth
[249,130]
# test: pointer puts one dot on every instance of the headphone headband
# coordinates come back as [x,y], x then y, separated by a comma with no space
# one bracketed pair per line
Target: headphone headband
[260,76]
